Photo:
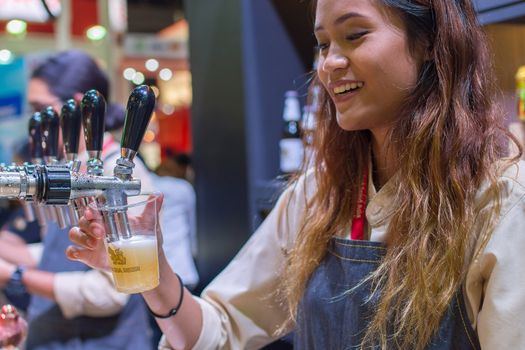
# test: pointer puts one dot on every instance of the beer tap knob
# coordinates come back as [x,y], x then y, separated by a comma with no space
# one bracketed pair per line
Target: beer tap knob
[93,110]
[35,138]
[70,123]
[49,130]
[140,107]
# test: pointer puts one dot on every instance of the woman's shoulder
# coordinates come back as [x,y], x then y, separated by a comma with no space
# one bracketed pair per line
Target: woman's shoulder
[510,180]
[290,208]
[302,189]
[512,183]
[514,173]
[507,193]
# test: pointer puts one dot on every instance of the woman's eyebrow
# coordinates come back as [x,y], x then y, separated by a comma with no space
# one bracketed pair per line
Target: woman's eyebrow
[341,19]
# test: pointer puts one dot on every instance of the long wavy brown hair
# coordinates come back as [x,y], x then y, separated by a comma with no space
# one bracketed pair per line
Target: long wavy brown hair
[449,138]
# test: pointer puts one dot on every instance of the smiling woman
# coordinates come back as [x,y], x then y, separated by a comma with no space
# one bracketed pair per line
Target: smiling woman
[402,234]
[425,110]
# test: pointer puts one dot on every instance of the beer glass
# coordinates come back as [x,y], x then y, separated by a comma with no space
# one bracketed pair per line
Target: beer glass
[131,242]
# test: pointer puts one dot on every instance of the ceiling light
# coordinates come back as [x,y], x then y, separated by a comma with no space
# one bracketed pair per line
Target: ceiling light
[152,64]
[165,74]
[6,56]
[16,27]
[138,78]
[96,33]
[129,73]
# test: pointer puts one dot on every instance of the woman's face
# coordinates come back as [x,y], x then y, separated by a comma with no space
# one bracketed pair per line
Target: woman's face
[364,62]
[39,96]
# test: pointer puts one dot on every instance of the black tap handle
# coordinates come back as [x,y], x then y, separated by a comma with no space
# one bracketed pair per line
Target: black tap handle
[93,110]
[70,122]
[35,136]
[50,129]
[138,114]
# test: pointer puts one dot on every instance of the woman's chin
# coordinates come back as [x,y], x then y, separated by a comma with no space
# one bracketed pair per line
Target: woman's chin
[349,123]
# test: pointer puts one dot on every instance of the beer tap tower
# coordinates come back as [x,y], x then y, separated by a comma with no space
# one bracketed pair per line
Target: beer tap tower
[56,184]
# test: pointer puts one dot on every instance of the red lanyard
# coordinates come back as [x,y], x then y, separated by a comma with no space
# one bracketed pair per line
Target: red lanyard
[359,220]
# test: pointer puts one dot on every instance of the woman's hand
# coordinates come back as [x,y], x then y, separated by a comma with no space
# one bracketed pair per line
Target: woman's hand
[89,238]
[90,235]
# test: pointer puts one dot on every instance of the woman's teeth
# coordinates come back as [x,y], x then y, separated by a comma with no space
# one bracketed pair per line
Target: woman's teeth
[347,87]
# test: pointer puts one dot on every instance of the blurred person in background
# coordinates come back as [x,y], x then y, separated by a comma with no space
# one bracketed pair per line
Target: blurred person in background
[177,165]
[73,306]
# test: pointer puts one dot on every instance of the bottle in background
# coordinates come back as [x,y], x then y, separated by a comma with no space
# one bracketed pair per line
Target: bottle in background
[309,123]
[520,90]
[291,144]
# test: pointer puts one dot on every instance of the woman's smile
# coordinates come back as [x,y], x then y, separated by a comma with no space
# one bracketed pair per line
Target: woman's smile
[343,91]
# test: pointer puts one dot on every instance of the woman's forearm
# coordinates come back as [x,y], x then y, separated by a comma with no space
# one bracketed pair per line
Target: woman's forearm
[40,282]
[183,329]
[15,250]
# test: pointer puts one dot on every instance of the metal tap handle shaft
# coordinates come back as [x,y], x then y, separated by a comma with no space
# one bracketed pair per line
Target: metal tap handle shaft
[140,106]
[70,122]
[35,136]
[93,110]
[29,214]
[50,129]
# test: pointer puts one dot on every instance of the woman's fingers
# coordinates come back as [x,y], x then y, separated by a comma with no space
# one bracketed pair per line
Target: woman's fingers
[93,229]
[88,249]
[96,259]
[150,214]
[93,215]
[82,239]
[88,238]
[153,207]
[91,224]
[77,253]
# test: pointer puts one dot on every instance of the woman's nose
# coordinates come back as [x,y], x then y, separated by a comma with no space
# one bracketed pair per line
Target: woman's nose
[335,61]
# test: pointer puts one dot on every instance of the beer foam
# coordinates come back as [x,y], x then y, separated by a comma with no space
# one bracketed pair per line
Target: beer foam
[137,241]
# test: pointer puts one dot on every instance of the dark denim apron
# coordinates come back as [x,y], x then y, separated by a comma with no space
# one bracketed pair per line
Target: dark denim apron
[49,330]
[331,318]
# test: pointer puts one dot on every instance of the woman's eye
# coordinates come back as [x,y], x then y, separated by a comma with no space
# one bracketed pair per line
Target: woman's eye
[356,36]
[321,46]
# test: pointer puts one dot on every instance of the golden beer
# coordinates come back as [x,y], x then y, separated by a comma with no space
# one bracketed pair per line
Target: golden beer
[134,263]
